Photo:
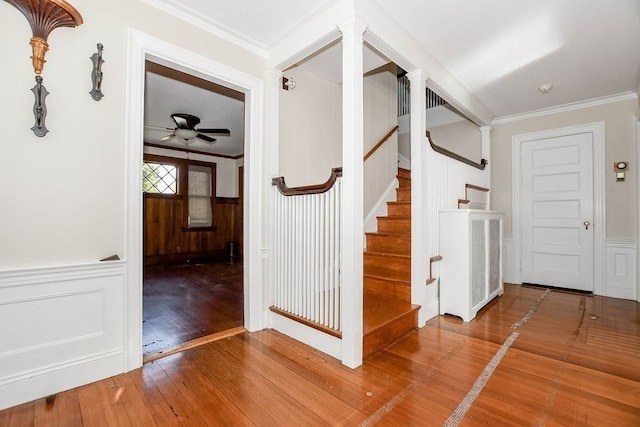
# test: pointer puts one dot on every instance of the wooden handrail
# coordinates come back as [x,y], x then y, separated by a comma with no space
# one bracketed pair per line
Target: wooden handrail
[433,259]
[382,141]
[309,189]
[483,162]
[475,187]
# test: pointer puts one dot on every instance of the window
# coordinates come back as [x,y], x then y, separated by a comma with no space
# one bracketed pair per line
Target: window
[199,197]
[159,178]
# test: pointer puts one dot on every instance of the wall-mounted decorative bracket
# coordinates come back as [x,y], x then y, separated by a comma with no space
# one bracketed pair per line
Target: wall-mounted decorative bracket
[45,16]
[96,74]
[39,108]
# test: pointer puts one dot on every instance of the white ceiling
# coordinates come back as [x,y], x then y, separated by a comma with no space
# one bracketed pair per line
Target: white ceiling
[500,50]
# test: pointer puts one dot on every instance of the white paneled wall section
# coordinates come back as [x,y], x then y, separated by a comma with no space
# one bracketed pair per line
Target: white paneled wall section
[61,327]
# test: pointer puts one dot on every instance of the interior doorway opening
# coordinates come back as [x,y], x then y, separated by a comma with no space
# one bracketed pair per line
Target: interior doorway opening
[193,158]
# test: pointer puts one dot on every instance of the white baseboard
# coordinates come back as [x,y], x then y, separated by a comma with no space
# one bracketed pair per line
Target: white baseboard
[380,208]
[508,272]
[312,337]
[403,162]
[62,328]
[621,269]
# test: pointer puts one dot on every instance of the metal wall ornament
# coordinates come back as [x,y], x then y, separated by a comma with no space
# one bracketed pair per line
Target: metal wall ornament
[44,16]
[96,74]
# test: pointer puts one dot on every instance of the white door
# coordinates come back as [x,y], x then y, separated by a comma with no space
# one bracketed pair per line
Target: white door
[557,211]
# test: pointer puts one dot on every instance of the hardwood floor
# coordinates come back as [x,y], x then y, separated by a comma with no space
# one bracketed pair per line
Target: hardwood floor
[188,301]
[573,362]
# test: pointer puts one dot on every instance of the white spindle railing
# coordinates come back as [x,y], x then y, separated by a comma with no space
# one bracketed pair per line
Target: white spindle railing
[307,252]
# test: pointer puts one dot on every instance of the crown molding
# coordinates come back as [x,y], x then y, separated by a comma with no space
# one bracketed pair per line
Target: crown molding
[594,102]
[210,25]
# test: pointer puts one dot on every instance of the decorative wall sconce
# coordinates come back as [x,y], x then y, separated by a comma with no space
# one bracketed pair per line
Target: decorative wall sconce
[96,74]
[620,168]
[288,83]
[44,16]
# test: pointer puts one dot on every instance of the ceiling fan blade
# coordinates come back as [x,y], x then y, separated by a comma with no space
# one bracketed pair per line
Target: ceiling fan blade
[185,121]
[221,132]
[159,128]
[205,138]
[168,137]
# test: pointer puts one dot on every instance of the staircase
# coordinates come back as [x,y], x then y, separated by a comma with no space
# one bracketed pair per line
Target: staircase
[388,312]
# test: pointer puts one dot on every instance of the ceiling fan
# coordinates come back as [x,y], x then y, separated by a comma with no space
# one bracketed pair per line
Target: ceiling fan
[186,132]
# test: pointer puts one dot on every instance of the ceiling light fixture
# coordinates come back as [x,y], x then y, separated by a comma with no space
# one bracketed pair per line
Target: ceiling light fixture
[545,88]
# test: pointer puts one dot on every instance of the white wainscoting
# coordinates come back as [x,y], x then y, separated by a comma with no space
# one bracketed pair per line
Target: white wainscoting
[620,266]
[621,269]
[61,327]
[508,273]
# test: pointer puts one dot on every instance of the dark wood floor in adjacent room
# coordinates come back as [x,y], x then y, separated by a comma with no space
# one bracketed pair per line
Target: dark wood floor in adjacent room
[184,302]
[573,363]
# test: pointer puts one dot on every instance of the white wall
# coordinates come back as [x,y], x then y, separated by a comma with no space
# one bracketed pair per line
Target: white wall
[380,116]
[310,129]
[462,137]
[620,144]
[62,198]
[64,204]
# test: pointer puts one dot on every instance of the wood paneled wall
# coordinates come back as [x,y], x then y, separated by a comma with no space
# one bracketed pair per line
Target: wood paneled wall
[166,236]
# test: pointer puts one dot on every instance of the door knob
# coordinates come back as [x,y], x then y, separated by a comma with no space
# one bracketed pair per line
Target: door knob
[586,225]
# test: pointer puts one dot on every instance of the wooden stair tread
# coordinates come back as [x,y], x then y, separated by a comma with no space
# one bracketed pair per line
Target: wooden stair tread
[379,311]
[387,255]
[378,277]
[394,217]
[387,234]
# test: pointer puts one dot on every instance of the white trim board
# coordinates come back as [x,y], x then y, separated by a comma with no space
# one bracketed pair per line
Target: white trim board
[599,220]
[566,107]
[142,47]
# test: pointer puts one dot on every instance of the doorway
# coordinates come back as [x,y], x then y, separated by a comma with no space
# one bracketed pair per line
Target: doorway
[193,143]
[143,47]
[558,213]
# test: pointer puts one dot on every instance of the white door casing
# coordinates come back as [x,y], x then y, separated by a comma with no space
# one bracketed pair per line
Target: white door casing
[597,226]
[557,211]
[141,47]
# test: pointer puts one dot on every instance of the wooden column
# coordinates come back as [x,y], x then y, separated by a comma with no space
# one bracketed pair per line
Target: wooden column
[352,187]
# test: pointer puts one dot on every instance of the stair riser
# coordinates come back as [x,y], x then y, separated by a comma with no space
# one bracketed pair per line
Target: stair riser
[398,208]
[403,194]
[389,333]
[398,226]
[393,289]
[404,173]
[393,268]
[404,182]
[389,244]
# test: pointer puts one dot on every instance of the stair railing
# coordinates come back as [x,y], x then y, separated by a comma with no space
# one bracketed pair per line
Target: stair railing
[307,259]
[483,162]
[381,142]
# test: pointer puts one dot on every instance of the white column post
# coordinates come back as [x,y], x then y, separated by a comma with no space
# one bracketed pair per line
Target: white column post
[352,191]
[271,167]
[419,194]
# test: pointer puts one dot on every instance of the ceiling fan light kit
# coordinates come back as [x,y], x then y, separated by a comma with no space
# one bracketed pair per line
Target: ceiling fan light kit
[185,131]
[44,16]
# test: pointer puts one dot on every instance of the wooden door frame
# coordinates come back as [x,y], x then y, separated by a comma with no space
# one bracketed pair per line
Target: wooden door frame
[599,217]
[142,47]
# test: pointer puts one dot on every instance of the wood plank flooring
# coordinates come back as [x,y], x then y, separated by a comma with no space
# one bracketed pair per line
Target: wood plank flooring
[573,363]
[189,301]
